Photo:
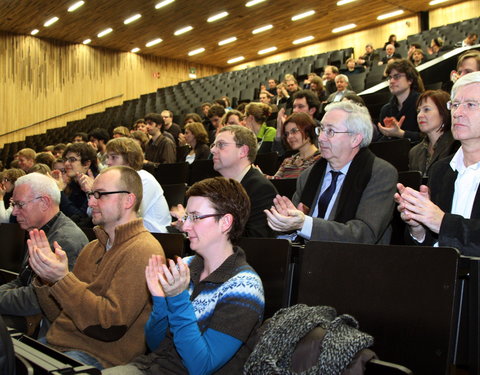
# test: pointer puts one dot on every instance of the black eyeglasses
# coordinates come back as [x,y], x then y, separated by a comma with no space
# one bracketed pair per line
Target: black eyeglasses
[97,194]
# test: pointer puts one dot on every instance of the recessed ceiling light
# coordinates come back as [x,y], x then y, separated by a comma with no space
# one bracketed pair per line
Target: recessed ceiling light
[51,21]
[228,40]
[343,28]
[435,2]
[183,30]
[34,31]
[217,17]
[267,50]
[235,59]
[196,51]
[132,18]
[163,3]
[261,29]
[303,40]
[105,32]
[389,15]
[343,2]
[303,15]
[253,2]
[75,6]
[87,41]
[192,75]
[153,42]
[135,50]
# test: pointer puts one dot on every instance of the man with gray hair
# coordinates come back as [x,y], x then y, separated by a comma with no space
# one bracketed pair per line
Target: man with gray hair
[341,82]
[346,195]
[447,212]
[35,202]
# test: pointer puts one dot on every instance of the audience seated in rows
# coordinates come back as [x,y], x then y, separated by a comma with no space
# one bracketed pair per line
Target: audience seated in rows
[434,121]
[35,203]
[335,198]
[446,212]
[470,40]
[98,311]
[392,40]
[205,307]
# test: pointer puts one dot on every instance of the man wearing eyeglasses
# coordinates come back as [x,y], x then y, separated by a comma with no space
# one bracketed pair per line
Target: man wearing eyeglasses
[234,151]
[398,118]
[98,310]
[345,195]
[447,212]
[35,203]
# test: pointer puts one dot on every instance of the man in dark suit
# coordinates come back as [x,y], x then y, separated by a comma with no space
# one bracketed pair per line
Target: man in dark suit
[345,196]
[234,151]
[447,212]
[390,54]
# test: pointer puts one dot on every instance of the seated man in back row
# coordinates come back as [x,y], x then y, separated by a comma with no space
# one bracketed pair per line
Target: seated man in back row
[346,195]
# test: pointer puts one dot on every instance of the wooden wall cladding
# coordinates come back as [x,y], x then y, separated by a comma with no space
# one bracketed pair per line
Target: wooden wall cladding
[40,79]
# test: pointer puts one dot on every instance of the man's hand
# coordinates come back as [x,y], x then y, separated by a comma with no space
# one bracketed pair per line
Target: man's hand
[392,127]
[281,117]
[86,181]
[178,212]
[50,266]
[417,206]
[284,217]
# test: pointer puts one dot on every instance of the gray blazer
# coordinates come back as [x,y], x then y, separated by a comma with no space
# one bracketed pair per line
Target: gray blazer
[371,224]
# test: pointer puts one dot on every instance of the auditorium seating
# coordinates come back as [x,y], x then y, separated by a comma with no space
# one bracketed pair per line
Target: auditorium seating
[404,296]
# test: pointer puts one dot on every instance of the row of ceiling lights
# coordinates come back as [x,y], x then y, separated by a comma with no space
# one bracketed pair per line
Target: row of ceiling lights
[221,15]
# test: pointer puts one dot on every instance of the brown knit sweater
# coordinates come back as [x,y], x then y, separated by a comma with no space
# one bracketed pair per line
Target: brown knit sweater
[102,306]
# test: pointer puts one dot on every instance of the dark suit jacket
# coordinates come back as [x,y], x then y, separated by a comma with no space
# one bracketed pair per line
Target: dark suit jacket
[331,97]
[394,56]
[455,230]
[261,192]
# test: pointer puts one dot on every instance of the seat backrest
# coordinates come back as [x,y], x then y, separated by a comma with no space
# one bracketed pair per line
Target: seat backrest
[395,152]
[285,186]
[173,244]
[174,173]
[174,193]
[7,353]
[267,162]
[201,169]
[271,259]
[13,246]
[404,296]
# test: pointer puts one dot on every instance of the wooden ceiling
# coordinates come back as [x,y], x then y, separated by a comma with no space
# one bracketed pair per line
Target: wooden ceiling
[22,16]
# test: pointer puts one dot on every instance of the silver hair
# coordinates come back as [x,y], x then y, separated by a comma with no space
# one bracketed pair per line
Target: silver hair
[345,78]
[41,185]
[358,119]
[467,79]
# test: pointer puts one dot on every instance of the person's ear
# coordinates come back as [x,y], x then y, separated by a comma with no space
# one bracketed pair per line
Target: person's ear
[227,222]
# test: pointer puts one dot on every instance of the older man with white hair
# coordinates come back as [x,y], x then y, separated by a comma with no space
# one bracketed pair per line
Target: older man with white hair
[447,212]
[346,195]
[35,203]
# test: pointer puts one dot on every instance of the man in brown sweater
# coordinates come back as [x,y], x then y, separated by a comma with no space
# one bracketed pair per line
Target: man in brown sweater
[99,309]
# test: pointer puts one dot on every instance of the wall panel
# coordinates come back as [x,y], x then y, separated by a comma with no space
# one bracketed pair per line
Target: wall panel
[40,79]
